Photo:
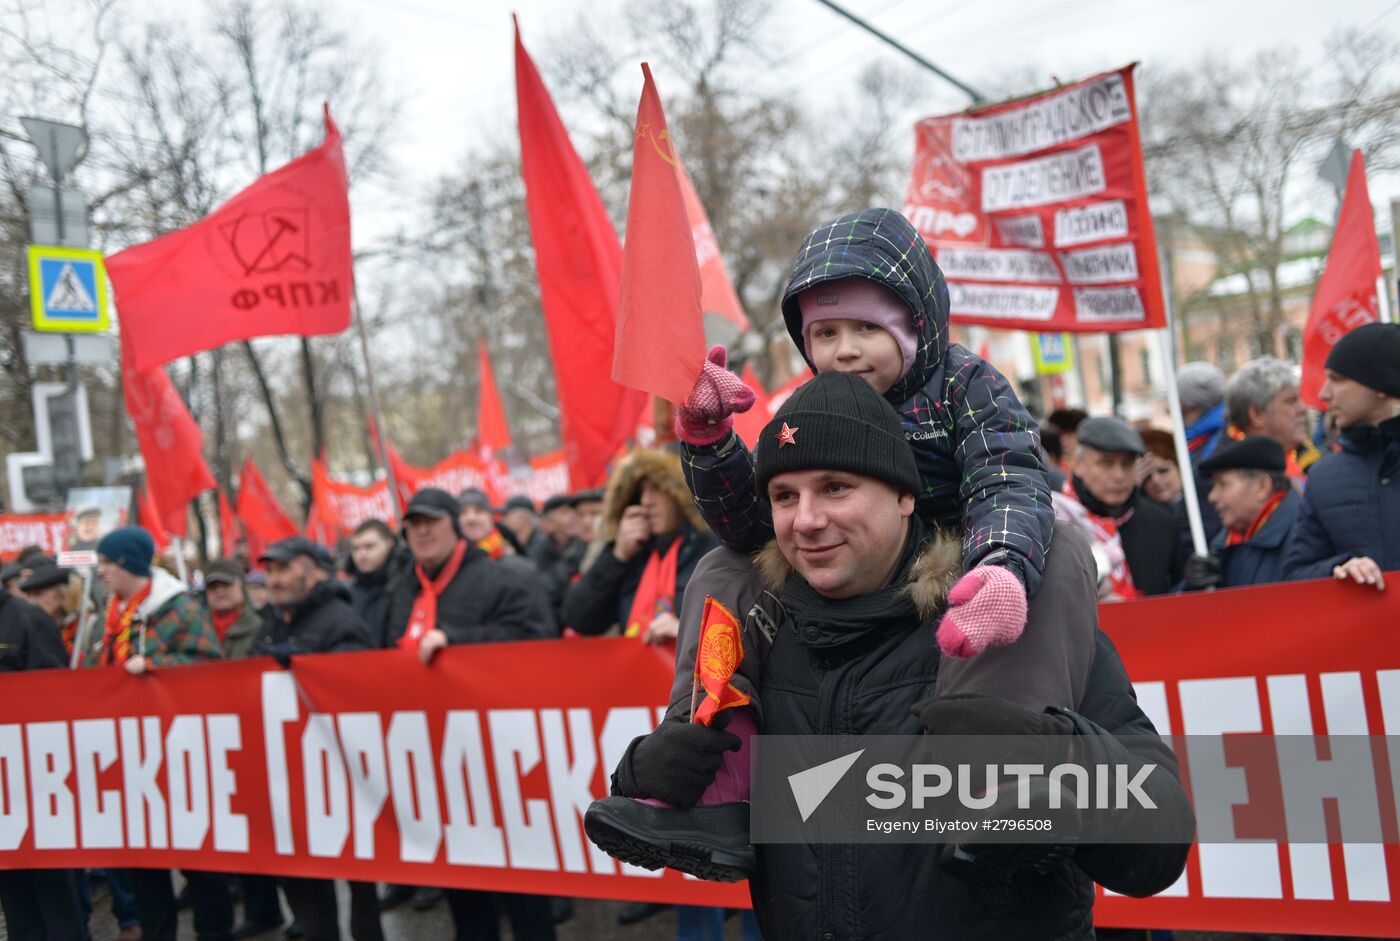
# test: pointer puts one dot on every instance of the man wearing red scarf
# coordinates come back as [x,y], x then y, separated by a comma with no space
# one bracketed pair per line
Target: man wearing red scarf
[652,540]
[151,621]
[1146,551]
[457,594]
[1250,489]
[235,620]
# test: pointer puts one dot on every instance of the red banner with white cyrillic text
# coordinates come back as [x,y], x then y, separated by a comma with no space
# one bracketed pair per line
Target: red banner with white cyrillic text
[475,771]
[20,530]
[337,507]
[1036,210]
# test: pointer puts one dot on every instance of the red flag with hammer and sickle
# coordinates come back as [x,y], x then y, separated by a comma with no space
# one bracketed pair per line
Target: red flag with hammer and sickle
[660,330]
[274,259]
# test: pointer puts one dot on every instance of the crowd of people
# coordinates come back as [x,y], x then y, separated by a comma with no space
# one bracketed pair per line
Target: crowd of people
[904,532]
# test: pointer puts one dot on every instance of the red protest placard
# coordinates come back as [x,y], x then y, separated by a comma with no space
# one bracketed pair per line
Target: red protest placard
[1036,210]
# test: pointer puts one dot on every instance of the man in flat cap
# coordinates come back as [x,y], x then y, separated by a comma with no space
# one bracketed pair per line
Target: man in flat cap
[478,524]
[1250,489]
[56,592]
[1349,527]
[35,903]
[235,620]
[1143,546]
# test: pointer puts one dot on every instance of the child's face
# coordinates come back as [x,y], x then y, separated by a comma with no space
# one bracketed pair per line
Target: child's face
[856,346]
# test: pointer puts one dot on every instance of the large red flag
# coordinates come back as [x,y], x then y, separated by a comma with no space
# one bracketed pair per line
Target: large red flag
[492,429]
[274,259]
[171,442]
[1346,293]
[259,511]
[579,264]
[660,329]
[717,294]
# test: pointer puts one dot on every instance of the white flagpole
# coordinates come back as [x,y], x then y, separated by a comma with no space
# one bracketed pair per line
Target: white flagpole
[1183,456]
[178,546]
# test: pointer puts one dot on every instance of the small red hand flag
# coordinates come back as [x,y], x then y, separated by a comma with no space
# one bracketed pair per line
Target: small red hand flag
[717,657]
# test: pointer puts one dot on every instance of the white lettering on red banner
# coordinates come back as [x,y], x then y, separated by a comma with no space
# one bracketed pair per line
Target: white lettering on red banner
[1073,114]
[1099,305]
[44,530]
[475,771]
[998,264]
[1053,179]
[1102,265]
[1001,193]
[1091,223]
[980,300]
[1020,230]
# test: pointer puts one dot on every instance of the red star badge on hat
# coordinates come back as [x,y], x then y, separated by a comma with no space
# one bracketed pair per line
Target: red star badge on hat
[787,436]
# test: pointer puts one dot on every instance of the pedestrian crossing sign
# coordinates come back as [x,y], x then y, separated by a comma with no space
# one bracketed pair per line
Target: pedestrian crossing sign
[1053,353]
[68,290]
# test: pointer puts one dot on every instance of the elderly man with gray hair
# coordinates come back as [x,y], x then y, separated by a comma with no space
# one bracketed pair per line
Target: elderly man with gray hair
[1262,400]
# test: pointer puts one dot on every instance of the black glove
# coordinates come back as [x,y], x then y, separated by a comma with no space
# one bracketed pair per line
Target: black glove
[282,653]
[987,715]
[676,762]
[1202,572]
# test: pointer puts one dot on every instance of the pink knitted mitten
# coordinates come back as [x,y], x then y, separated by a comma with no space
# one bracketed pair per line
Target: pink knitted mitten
[986,608]
[707,414]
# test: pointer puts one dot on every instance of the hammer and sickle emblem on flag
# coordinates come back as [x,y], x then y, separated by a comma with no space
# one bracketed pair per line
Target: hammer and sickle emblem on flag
[660,142]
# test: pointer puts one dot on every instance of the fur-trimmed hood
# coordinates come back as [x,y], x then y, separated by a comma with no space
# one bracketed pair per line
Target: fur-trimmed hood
[662,468]
[932,574]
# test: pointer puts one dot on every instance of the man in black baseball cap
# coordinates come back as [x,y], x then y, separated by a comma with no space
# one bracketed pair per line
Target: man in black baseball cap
[457,594]
[1123,524]
[1350,524]
[310,614]
[1250,489]
[311,611]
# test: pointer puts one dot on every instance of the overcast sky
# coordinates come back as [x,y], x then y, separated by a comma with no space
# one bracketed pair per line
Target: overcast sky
[452,61]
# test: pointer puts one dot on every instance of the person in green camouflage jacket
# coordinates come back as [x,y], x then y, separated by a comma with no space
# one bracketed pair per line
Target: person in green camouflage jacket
[151,619]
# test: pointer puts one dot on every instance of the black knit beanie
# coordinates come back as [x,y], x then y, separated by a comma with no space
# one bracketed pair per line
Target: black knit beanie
[1370,355]
[837,421]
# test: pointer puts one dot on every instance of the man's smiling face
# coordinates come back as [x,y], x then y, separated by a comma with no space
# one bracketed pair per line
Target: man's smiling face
[840,531]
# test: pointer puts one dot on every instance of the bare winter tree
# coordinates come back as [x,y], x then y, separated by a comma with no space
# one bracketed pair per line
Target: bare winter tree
[1233,149]
[211,113]
[55,78]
